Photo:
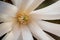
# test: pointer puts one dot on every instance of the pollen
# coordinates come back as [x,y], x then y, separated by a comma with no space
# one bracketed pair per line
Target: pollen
[23,18]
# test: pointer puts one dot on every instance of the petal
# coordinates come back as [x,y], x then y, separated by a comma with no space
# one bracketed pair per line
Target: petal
[7,11]
[33,5]
[21,4]
[25,33]
[27,5]
[38,32]
[51,12]
[50,27]
[13,34]
[5,27]
[50,37]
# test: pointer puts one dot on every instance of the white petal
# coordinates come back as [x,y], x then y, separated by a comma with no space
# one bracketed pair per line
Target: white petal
[33,5]
[50,27]
[21,4]
[5,27]
[26,34]
[14,34]
[38,32]
[7,11]
[27,5]
[51,12]
[50,37]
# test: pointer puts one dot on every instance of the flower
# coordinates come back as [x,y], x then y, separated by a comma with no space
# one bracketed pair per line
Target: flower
[22,22]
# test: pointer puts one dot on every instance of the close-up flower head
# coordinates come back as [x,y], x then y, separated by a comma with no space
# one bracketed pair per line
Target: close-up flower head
[20,20]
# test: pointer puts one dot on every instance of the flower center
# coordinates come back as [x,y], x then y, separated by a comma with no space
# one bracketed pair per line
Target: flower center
[23,18]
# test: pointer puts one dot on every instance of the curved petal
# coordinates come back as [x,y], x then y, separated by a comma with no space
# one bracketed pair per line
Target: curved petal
[38,32]
[27,5]
[50,37]
[33,5]
[21,4]
[50,27]
[7,11]
[13,34]
[5,27]
[25,33]
[51,12]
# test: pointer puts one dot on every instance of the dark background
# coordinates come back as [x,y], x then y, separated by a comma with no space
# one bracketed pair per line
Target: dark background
[44,4]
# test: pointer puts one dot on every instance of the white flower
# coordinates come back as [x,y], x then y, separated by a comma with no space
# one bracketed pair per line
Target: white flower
[21,22]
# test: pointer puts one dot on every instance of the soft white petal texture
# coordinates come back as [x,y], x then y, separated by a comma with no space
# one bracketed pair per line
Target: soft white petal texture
[5,27]
[25,33]
[7,11]
[21,4]
[13,34]
[33,5]
[50,37]
[51,12]
[27,5]
[50,27]
[38,32]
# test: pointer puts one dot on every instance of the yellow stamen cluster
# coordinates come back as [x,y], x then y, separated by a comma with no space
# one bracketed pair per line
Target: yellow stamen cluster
[23,18]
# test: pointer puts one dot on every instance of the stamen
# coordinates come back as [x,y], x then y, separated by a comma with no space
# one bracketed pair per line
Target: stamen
[23,18]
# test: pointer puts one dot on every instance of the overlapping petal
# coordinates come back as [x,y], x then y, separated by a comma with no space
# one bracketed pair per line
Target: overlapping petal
[5,27]
[13,34]
[7,11]
[50,27]
[38,32]
[25,33]
[51,12]
[27,5]
[33,5]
